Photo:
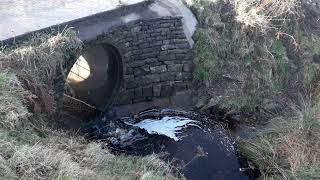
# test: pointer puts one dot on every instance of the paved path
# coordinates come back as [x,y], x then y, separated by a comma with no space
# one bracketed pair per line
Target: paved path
[88,17]
[22,16]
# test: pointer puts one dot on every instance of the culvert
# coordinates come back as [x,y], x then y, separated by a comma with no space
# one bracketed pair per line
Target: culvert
[94,79]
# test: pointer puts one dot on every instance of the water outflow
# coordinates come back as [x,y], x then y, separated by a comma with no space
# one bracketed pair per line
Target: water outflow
[200,152]
[167,126]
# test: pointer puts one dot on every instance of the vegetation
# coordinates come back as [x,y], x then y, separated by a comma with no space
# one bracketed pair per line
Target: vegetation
[262,57]
[31,145]
[288,148]
[252,56]
[253,53]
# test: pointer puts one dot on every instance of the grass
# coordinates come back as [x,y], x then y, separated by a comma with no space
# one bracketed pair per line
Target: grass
[31,147]
[247,65]
[289,147]
[265,14]
[3,79]
[206,56]
[243,65]
[65,156]
[258,57]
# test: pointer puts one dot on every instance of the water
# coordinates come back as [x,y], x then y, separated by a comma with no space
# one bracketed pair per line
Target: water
[199,151]
[167,126]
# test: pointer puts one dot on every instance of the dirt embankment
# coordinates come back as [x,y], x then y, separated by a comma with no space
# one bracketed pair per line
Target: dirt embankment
[258,61]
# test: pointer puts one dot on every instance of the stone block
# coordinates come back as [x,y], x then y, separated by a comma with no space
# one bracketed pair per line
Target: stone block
[157,90]
[166,25]
[169,62]
[136,29]
[147,50]
[167,57]
[148,79]
[147,91]
[169,76]
[188,67]
[141,71]
[156,43]
[166,90]
[188,76]
[138,92]
[179,76]
[149,55]
[179,41]
[183,46]
[166,42]
[168,47]
[175,67]
[180,86]
[158,69]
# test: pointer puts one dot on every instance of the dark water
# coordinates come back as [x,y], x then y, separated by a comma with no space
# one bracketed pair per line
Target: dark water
[201,153]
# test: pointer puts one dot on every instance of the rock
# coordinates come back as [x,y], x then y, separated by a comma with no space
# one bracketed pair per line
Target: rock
[201,102]
[212,102]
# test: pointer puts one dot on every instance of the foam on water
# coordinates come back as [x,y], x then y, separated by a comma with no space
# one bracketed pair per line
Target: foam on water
[167,126]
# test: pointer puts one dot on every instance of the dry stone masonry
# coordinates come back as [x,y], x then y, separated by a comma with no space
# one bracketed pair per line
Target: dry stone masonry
[157,61]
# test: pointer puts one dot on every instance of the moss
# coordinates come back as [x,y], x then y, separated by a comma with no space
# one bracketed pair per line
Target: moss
[206,56]
[283,69]
[3,79]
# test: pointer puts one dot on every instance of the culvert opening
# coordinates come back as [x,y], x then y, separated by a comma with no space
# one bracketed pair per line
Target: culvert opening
[93,81]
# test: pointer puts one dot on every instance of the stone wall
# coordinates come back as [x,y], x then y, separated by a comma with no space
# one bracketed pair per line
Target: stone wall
[157,59]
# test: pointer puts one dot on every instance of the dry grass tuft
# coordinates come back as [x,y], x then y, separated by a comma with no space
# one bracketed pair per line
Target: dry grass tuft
[12,109]
[263,13]
[40,63]
[43,55]
[289,147]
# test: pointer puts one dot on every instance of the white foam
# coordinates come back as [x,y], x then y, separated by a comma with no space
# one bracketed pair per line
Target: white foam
[167,126]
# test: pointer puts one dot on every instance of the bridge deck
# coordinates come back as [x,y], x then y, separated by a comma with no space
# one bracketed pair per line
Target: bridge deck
[22,16]
[88,17]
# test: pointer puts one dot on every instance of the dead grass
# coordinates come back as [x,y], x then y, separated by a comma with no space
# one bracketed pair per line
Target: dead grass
[64,156]
[264,14]
[41,64]
[289,147]
[12,110]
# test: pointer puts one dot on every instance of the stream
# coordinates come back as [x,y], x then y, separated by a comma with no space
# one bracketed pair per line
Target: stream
[200,150]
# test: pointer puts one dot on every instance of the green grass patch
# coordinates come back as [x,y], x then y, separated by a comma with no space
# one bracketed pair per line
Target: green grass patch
[3,79]
[207,57]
